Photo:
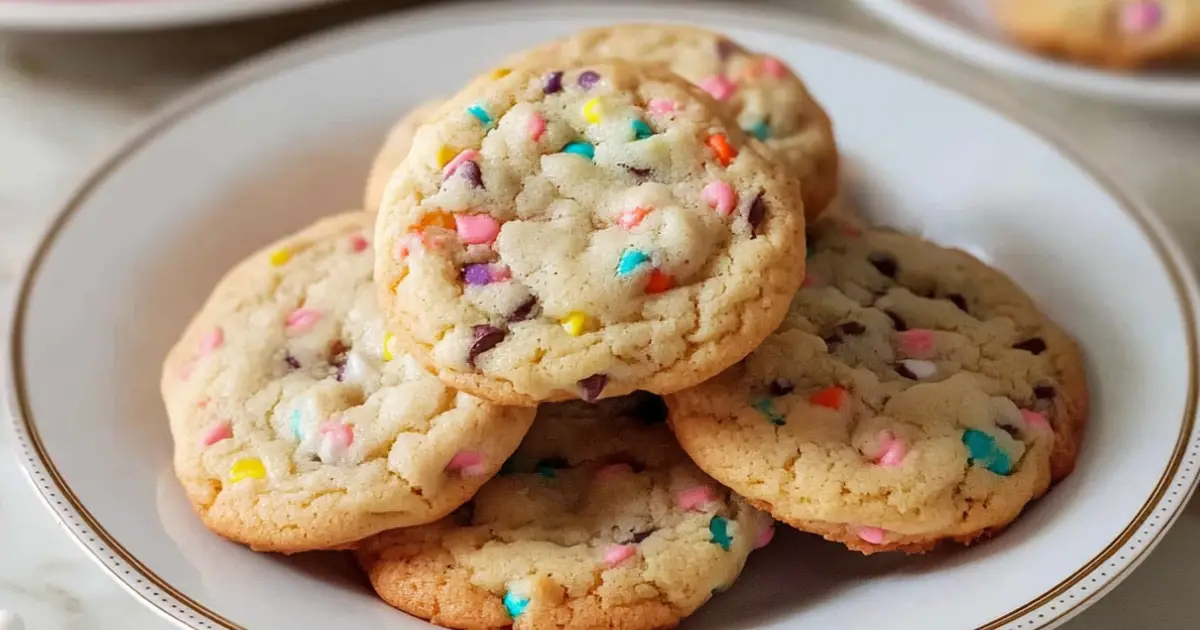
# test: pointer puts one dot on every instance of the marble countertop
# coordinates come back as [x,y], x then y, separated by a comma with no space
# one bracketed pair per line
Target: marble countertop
[65,100]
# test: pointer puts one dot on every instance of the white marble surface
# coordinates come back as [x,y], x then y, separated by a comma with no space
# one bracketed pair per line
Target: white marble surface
[65,100]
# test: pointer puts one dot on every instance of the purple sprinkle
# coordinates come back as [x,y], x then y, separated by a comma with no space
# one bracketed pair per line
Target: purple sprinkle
[470,172]
[725,49]
[486,337]
[553,82]
[758,210]
[781,387]
[523,311]
[587,79]
[477,274]
[341,371]
[590,387]
[291,361]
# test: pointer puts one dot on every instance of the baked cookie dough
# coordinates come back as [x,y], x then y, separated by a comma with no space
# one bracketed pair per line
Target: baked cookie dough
[586,232]
[912,395]
[599,521]
[391,154]
[298,423]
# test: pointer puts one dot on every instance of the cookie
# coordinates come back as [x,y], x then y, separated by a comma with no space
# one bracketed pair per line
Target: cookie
[768,100]
[585,233]
[600,521]
[299,425]
[912,395]
[395,148]
[1119,34]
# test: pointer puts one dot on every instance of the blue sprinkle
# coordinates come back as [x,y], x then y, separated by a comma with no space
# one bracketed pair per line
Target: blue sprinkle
[630,260]
[766,407]
[641,130]
[719,528]
[584,149]
[295,422]
[480,114]
[760,130]
[515,604]
[983,450]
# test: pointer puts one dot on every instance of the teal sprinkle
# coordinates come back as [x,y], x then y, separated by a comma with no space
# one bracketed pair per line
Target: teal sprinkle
[295,422]
[766,407]
[983,450]
[719,528]
[480,114]
[546,467]
[515,604]
[630,260]
[760,130]
[582,149]
[641,130]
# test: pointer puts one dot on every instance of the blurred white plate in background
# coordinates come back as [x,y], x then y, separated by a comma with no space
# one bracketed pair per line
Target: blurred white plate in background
[97,15]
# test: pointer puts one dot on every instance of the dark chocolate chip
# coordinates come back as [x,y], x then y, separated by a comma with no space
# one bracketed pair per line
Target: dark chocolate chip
[470,172]
[725,49]
[591,387]
[959,301]
[341,371]
[885,263]
[523,311]
[1046,392]
[292,361]
[781,387]
[1035,345]
[640,536]
[832,342]
[464,516]
[588,78]
[851,328]
[905,372]
[651,409]
[897,321]
[553,82]
[486,337]
[756,214]
[640,173]
[546,467]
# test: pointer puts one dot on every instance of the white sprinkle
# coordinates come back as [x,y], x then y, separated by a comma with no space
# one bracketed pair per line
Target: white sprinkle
[359,368]
[920,369]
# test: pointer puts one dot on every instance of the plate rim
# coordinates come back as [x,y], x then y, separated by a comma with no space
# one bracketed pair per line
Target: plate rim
[934,31]
[53,490]
[82,15]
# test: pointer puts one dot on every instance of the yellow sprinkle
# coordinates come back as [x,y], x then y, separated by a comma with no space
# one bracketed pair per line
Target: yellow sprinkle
[388,339]
[280,256]
[500,72]
[575,323]
[249,468]
[444,155]
[591,110]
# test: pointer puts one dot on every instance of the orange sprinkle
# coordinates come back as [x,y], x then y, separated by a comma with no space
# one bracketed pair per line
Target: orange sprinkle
[659,281]
[720,145]
[831,397]
[444,220]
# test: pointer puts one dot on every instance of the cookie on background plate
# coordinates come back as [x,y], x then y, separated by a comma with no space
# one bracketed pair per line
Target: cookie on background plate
[598,521]
[298,424]
[392,153]
[913,395]
[768,100]
[585,233]
[1119,34]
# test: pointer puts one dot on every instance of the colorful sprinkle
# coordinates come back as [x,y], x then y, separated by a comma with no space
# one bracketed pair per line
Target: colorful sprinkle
[480,114]
[477,274]
[1141,17]
[873,535]
[591,387]
[485,338]
[248,468]
[774,67]
[831,397]
[641,130]
[719,528]
[630,260]
[719,86]
[537,126]
[476,229]
[548,466]
[470,172]
[760,130]
[662,106]
[892,449]
[468,464]
[359,243]
[720,145]
[500,73]
[444,155]
[458,160]
[764,537]
[659,282]
[916,343]
[917,369]
[438,219]
[513,603]
[388,341]
[766,407]
[591,110]
[553,82]
[719,196]
[280,256]
[211,341]
[982,449]
[215,433]
[301,319]
[695,498]
[294,423]
[616,554]
[337,431]
[588,78]
[631,217]
[580,148]
[575,323]
[1035,419]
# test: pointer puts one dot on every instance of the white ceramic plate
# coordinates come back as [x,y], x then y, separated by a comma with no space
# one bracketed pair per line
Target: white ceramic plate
[965,28]
[93,15]
[270,146]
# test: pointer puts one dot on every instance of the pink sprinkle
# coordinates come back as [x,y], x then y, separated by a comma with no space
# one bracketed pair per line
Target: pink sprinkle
[215,433]
[774,67]
[301,319]
[500,273]
[1141,17]
[614,469]
[185,370]
[1035,419]
[537,126]
[917,343]
[662,106]
[873,535]
[696,498]
[720,87]
[810,280]
[475,229]
[211,341]
[468,463]
[891,449]
[719,196]
[765,536]
[632,217]
[358,242]
[339,432]
[617,554]
[202,404]
[468,155]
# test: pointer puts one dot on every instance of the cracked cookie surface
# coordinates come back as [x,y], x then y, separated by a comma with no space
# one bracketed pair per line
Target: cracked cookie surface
[299,425]
[585,233]
[599,521]
[912,395]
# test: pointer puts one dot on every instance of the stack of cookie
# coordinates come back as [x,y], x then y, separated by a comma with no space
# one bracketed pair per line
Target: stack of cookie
[611,226]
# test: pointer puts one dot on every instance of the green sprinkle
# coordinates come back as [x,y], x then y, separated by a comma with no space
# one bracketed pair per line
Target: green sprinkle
[582,149]
[548,466]
[719,528]
[515,604]
[766,407]
[641,130]
[760,130]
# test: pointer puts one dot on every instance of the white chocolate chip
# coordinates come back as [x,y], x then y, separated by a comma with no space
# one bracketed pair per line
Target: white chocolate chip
[920,369]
